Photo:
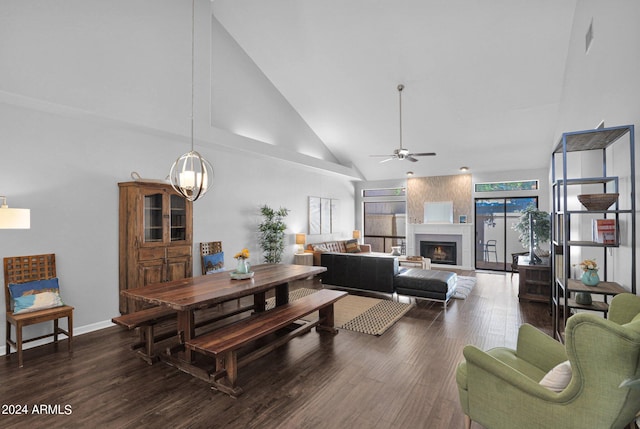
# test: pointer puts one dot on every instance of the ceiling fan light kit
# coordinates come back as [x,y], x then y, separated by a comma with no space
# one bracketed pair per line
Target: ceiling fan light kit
[402,153]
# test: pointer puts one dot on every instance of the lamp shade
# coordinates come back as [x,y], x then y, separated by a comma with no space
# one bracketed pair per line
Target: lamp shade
[14,218]
[191,175]
[356,234]
[301,238]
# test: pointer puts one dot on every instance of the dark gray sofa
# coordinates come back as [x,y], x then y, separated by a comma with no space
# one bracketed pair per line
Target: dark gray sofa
[366,271]
[380,272]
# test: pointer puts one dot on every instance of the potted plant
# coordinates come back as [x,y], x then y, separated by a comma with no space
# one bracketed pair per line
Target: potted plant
[538,221]
[272,233]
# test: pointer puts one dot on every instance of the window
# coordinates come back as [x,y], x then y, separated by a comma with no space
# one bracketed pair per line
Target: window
[522,185]
[393,192]
[385,225]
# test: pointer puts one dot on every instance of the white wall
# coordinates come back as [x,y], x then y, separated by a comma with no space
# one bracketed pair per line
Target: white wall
[91,91]
[601,85]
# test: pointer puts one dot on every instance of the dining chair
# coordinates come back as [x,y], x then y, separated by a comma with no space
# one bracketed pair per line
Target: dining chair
[209,248]
[32,296]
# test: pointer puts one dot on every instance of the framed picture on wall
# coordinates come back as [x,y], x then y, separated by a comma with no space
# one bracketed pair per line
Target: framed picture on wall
[314,215]
[325,216]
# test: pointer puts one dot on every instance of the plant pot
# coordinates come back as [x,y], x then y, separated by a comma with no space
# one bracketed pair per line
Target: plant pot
[243,266]
[590,277]
[583,298]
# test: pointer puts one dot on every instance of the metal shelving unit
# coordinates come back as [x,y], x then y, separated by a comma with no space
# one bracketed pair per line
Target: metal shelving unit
[561,222]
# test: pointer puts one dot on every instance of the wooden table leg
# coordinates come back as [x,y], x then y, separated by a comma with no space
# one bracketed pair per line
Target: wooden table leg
[185,332]
[282,294]
[259,301]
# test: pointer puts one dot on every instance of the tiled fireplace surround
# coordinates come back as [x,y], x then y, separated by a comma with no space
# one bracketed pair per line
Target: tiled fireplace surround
[461,233]
[456,188]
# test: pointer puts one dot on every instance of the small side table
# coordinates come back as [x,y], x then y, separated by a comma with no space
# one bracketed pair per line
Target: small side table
[303,259]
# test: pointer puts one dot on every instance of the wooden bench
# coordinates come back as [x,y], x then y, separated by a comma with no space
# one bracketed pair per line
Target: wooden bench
[145,321]
[224,343]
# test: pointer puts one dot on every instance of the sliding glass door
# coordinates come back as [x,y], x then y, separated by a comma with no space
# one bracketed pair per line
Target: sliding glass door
[385,225]
[496,241]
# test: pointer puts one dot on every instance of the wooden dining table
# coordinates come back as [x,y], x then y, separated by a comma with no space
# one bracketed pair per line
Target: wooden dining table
[193,293]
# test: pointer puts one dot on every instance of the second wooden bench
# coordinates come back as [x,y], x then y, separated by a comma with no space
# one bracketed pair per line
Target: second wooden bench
[224,343]
[146,320]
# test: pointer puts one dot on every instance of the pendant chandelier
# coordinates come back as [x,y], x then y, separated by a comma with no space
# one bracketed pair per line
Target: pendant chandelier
[191,174]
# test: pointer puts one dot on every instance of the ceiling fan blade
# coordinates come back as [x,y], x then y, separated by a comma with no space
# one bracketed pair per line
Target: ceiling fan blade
[380,156]
[423,154]
[410,158]
[387,160]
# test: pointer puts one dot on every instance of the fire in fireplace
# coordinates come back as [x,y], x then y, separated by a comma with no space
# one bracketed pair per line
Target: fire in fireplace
[440,252]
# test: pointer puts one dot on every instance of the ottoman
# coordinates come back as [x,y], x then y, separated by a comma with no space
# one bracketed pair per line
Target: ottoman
[433,285]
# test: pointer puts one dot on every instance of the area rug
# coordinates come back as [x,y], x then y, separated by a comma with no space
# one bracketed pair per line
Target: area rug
[358,313]
[464,286]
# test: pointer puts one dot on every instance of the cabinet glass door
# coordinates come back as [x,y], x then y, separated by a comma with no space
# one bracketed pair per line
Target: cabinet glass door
[153,218]
[178,218]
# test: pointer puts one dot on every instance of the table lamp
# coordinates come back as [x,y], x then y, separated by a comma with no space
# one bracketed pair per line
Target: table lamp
[300,239]
[356,234]
[14,218]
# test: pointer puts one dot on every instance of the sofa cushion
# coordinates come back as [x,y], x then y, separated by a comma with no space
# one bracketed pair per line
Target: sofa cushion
[214,262]
[332,246]
[336,246]
[35,295]
[558,378]
[351,246]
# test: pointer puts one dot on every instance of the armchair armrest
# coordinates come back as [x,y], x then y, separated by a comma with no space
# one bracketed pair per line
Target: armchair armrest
[476,357]
[623,308]
[539,349]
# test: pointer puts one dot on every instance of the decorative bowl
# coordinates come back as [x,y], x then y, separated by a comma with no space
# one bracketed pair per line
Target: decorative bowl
[241,276]
[598,201]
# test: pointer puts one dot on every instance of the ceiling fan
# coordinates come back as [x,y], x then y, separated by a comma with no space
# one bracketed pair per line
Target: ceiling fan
[402,153]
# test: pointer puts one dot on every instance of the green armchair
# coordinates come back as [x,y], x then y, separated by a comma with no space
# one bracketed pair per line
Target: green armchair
[500,388]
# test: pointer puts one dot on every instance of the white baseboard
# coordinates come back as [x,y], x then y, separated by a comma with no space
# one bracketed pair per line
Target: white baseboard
[76,331]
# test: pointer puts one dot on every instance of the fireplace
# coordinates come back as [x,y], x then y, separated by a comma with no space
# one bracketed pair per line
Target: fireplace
[440,252]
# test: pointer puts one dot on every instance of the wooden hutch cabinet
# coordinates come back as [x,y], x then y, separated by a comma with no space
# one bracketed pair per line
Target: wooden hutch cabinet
[156,236]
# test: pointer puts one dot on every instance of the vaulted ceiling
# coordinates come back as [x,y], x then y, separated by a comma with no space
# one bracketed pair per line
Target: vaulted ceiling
[483,79]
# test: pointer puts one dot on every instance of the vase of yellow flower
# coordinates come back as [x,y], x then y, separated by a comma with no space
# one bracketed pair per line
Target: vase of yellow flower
[589,272]
[243,265]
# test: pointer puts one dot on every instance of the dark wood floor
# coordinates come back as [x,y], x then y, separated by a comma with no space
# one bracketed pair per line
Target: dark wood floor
[403,379]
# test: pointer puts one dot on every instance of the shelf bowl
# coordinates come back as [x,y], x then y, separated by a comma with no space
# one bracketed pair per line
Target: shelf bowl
[598,201]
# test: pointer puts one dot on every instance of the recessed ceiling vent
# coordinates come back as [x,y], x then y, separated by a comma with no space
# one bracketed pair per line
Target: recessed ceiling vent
[588,38]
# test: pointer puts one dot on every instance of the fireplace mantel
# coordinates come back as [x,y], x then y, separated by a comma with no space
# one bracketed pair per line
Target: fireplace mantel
[463,230]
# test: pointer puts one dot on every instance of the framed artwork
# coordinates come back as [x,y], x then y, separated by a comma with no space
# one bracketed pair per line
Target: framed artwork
[314,215]
[323,215]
